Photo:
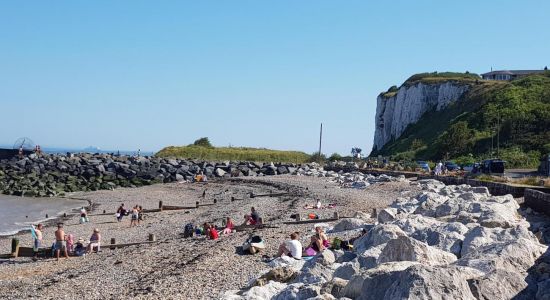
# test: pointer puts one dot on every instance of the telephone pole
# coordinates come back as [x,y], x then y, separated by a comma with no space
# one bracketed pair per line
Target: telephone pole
[320,140]
[498,135]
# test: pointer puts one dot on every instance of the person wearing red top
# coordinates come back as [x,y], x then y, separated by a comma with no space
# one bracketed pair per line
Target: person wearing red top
[211,232]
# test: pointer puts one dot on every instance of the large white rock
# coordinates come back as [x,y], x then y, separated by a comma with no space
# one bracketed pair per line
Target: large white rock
[265,292]
[347,270]
[498,284]
[355,286]
[369,258]
[481,236]
[378,235]
[318,270]
[442,235]
[298,291]
[387,215]
[348,224]
[405,248]
[417,282]
[515,256]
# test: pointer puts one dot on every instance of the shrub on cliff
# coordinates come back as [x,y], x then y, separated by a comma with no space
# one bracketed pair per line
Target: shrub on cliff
[203,142]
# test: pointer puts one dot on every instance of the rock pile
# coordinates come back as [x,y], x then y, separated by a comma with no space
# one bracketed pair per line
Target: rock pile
[447,242]
[353,179]
[54,175]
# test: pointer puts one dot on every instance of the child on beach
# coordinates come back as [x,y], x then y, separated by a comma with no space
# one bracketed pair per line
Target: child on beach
[83,216]
[70,243]
[229,226]
[79,249]
[211,231]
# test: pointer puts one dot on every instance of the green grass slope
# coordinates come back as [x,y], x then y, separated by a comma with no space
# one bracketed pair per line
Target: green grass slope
[519,110]
[234,154]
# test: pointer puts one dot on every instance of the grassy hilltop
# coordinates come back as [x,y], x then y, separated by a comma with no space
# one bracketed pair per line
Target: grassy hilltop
[202,149]
[518,109]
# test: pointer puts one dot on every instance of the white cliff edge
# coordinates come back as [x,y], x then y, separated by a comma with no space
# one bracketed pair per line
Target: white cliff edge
[394,114]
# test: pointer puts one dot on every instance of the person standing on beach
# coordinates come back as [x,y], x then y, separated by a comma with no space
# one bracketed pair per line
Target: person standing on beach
[37,240]
[60,241]
[121,211]
[135,216]
[140,214]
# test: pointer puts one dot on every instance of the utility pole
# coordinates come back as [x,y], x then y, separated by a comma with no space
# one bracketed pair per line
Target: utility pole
[498,135]
[320,140]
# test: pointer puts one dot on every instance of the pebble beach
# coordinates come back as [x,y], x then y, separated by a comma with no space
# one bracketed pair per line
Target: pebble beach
[175,267]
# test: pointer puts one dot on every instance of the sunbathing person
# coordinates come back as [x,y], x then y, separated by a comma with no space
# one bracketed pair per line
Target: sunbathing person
[229,226]
[95,241]
[211,231]
[292,247]
[319,241]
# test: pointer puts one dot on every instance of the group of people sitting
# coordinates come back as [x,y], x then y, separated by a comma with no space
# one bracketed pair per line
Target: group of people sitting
[66,242]
[318,242]
[293,247]
[228,227]
[136,214]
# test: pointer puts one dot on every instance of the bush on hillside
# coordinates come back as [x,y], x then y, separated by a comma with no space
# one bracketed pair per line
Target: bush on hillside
[335,157]
[203,142]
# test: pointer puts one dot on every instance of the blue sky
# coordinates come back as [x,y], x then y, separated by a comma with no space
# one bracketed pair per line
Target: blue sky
[144,74]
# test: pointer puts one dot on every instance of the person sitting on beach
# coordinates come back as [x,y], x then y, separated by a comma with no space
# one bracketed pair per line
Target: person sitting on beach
[60,242]
[211,231]
[121,211]
[135,216]
[199,177]
[292,247]
[255,216]
[319,241]
[229,226]
[37,243]
[95,241]
[79,249]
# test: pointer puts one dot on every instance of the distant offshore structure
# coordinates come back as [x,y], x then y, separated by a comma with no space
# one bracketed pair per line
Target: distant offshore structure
[92,149]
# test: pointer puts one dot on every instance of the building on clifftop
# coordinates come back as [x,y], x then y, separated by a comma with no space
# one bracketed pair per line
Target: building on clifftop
[510,75]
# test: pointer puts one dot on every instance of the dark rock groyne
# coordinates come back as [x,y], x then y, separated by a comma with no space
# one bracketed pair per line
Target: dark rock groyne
[55,175]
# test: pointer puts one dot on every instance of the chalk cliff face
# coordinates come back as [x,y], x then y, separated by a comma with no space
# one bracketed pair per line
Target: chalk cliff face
[394,114]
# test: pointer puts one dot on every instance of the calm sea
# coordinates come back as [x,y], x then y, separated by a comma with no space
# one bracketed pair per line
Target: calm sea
[18,213]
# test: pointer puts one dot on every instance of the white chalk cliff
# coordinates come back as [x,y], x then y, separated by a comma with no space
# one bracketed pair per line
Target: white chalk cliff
[394,114]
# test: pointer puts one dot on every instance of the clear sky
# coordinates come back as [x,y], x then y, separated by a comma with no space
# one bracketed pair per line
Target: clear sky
[147,74]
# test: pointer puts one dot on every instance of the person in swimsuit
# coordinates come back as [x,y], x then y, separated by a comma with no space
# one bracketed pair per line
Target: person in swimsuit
[135,216]
[229,226]
[95,241]
[60,241]
[319,241]
[37,240]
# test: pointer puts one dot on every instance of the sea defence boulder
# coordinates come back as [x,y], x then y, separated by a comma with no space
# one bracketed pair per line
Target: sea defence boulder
[56,174]
[446,242]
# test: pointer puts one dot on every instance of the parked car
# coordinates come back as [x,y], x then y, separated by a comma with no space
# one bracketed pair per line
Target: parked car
[468,167]
[424,165]
[451,166]
[492,166]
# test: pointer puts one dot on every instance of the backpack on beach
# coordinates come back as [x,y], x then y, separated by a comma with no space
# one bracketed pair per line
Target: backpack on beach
[188,230]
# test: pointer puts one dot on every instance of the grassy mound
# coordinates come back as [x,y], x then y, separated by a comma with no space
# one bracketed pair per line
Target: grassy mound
[234,154]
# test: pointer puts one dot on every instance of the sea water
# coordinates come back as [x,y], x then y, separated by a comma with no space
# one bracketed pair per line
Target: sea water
[18,213]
